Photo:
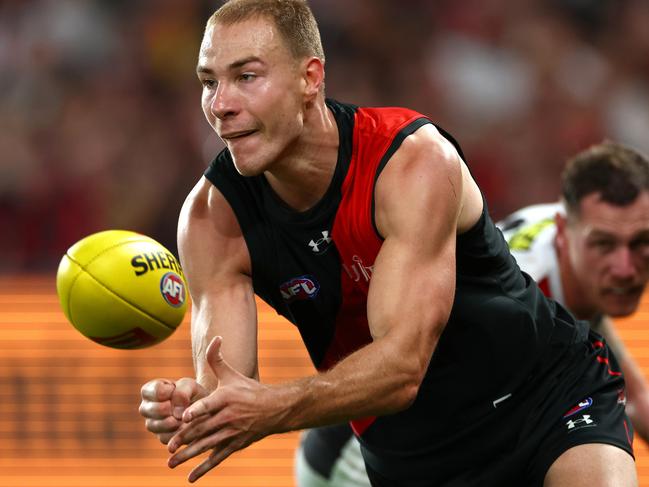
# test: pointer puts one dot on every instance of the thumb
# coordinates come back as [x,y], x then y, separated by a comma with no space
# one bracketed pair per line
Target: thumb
[182,395]
[222,370]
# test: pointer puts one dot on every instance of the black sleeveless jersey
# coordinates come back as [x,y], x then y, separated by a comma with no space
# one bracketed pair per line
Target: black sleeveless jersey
[315,268]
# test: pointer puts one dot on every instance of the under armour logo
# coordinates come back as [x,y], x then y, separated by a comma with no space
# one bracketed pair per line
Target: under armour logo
[325,240]
[584,419]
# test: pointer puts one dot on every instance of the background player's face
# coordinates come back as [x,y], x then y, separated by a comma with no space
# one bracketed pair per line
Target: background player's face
[609,251]
[252,92]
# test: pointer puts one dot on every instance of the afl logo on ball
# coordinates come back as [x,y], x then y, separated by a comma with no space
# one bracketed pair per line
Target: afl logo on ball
[172,289]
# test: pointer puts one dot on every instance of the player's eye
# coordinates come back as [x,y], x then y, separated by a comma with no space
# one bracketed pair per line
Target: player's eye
[208,83]
[603,245]
[247,77]
[641,244]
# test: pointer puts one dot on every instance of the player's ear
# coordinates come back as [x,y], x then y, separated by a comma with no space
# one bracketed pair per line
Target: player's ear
[313,77]
[561,222]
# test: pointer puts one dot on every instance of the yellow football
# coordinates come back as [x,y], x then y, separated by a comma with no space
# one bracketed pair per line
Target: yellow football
[122,289]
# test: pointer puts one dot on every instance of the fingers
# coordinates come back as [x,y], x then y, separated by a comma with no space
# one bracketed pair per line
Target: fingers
[163,403]
[221,368]
[155,410]
[185,390]
[196,429]
[201,446]
[213,353]
[166,429]
[215,458]
[207,405]
[224,373]
[158,390]
[212,461]
[165,437]
[167,425]
[155,405]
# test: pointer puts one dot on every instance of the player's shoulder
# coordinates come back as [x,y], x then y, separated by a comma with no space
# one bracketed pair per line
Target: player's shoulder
[529,223]
[389,114]
[425,154]
[423,176]
[389,129]
[383,124]
[530,233]
[209,235]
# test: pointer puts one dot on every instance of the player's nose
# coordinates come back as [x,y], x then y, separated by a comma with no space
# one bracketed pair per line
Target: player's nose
[224,102]
[623,266]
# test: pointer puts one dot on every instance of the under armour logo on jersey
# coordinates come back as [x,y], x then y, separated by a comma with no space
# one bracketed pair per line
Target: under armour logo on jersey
[321,244]
[583,421]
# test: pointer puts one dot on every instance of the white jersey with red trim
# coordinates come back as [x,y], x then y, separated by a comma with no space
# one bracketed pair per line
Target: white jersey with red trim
[530,233]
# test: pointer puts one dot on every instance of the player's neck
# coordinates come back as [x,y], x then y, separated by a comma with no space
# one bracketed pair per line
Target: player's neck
[303,175]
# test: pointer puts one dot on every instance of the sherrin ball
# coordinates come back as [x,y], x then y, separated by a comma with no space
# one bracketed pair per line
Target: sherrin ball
[122,289]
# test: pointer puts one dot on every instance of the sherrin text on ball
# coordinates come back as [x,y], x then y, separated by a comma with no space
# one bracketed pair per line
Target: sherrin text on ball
[122,289]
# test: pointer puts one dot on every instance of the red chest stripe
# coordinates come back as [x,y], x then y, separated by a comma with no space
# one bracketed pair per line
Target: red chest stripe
[353,230]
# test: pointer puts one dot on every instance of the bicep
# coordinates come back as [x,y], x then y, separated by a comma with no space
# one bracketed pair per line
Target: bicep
[411,296]
[418,200]
[217,267]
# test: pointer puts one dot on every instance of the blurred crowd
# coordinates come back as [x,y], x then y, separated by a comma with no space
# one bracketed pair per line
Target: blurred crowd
[101,126]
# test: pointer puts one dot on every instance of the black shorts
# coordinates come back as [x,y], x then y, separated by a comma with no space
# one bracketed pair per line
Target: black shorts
[322,447]
[596,418]
[581,406]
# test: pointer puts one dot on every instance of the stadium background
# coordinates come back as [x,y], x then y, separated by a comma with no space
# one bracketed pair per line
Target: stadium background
[100,127]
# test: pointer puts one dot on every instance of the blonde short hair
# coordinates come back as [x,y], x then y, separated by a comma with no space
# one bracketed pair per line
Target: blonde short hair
[293,19]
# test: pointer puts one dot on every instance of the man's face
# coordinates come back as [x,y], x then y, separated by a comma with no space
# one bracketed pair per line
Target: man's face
[608,248]
[252,92]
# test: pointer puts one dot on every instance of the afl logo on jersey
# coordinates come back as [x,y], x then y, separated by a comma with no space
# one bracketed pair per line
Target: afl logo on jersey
[303,287]
[172,289]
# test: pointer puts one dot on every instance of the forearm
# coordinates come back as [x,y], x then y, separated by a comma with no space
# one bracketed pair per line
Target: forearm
[638,412]
[376,380]
[244,359]
[229,313]
[637,394]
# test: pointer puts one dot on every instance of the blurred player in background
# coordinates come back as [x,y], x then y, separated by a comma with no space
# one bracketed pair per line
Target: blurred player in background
[590,252]
[330,456]
[364,227]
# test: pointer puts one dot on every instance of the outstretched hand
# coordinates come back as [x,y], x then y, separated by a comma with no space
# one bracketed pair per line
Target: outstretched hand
[164,402]
[239,412]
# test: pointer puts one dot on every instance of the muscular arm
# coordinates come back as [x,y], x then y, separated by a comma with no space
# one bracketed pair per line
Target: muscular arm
[216,263]
[421,202]
[420,199]
[215,260]
[423,198]
[637,390]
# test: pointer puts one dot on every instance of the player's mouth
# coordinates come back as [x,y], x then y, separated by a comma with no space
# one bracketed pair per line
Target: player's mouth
[231,136]
[625,291]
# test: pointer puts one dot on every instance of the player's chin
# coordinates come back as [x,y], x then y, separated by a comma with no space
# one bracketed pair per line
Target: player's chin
[619,305]
[249,164]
